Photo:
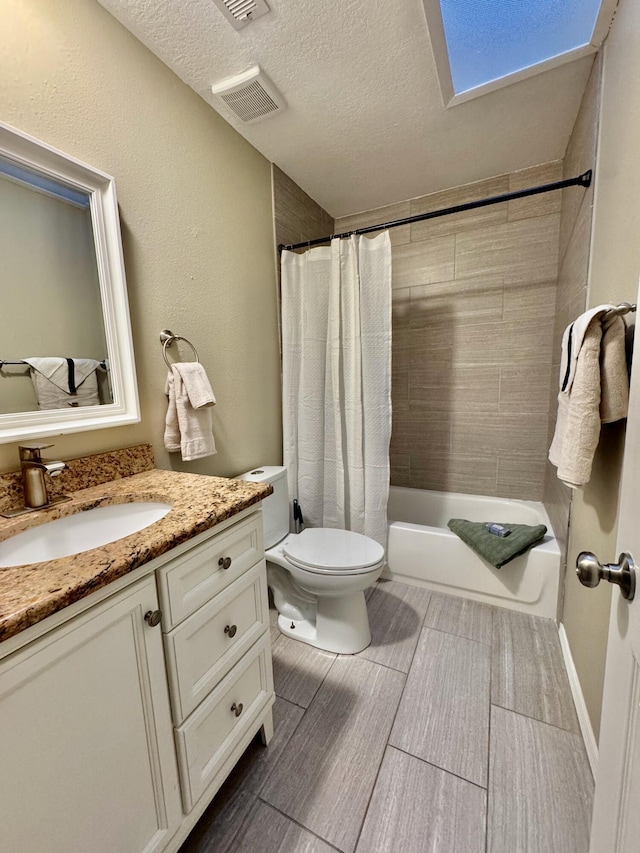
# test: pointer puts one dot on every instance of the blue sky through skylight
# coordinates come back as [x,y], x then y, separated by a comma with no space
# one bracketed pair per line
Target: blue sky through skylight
[490,39]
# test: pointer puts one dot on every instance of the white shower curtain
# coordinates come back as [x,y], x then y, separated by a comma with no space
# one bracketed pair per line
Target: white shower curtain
[336,333]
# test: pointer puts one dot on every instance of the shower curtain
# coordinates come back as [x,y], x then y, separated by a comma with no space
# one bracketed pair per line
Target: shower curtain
[336,353]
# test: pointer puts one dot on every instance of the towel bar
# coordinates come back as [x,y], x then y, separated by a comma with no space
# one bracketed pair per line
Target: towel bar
[167,338]
[619,310]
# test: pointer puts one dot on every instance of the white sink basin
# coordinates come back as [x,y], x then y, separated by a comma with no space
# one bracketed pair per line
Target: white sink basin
[80,532]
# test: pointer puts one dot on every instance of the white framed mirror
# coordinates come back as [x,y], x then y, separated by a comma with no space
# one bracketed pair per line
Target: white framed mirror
[66,352]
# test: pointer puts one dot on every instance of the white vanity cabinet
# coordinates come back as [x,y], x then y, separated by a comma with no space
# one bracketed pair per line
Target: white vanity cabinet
[218,652]
[85,728]
[117,731]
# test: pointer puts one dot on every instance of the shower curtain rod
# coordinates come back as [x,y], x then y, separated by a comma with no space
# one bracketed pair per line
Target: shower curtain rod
[583,180]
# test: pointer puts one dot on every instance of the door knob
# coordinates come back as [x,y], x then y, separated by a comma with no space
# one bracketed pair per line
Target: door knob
[590,572]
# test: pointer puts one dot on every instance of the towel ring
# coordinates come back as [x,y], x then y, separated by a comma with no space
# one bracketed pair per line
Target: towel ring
[167,338]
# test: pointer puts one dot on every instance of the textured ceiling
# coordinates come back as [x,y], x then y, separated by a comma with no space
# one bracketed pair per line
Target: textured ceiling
[365,125]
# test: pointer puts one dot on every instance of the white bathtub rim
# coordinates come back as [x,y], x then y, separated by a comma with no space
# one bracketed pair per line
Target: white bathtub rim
[549,544]
[535,506]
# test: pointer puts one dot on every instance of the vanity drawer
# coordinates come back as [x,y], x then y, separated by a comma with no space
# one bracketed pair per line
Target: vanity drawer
[196,576]
[203,648]
[210,734]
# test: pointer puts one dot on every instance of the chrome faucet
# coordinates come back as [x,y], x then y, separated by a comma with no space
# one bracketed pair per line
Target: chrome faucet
[34,476]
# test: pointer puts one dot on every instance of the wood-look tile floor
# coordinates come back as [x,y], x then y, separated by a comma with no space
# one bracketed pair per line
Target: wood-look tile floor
[454,732]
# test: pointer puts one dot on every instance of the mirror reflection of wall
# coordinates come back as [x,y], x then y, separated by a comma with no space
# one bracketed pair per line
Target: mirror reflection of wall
[51,304]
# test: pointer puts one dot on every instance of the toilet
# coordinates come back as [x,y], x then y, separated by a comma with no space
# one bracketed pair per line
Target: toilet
[317,577]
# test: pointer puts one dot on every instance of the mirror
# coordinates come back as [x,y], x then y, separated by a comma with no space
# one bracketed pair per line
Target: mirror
[66,355]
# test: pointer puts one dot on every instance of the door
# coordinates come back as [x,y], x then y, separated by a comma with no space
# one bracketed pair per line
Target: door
[616,816]
[85,735]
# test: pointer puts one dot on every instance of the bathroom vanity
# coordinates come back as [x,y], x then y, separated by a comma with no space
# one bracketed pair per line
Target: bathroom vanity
[133,676]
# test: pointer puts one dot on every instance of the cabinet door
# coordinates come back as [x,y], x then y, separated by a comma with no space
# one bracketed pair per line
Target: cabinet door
[85,736]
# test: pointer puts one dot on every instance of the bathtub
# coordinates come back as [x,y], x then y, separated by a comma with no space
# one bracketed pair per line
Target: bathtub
[424,552]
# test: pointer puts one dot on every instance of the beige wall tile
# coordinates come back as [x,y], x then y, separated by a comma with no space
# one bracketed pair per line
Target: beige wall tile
[457,222]
[400,470]
[459,389]
[525,387]
[451,472]
[399,235]
[417,430]
[297,216]
[475,300]
[565,315]
[574,270]
[401,304]
[400,476]
[537,205]
[399,389]
[557,501]
[525,247]
[503,343]
[529,300]
[419,347]
[327,222]
[424,262]
[512,435]
[521,478]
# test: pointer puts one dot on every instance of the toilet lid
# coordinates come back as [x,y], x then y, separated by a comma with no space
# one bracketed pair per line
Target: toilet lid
[323,549]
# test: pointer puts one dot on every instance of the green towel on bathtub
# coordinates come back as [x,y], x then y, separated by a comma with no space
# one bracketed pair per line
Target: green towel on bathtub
[497,550]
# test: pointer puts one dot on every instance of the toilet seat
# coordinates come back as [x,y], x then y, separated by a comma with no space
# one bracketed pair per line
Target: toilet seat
[324,550]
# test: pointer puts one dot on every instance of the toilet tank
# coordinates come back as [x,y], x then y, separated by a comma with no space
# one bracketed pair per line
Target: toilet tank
[275,508]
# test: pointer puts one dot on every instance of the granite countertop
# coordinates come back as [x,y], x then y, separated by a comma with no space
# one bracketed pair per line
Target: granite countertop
[30,593]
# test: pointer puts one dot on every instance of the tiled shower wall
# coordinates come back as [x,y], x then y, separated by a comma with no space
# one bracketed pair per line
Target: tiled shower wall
[473,305]
[297,216]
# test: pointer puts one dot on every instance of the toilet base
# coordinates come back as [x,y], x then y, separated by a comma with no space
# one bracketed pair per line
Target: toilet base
[341,625]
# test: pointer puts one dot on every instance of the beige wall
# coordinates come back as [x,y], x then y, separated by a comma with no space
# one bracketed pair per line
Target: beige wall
[196,211]
[472,298]
[571,297]
[615,265]
[50,275]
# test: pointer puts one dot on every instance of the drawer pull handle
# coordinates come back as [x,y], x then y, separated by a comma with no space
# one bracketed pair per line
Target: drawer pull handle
[231,630]
[153,617]
[237,709]
[224,562]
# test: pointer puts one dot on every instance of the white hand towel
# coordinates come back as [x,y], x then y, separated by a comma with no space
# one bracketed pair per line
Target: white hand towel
[614,372]
[594,389]
[196,383]
[171,426]
[187,428]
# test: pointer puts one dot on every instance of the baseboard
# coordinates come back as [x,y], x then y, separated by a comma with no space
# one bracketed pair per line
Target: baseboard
[578,698]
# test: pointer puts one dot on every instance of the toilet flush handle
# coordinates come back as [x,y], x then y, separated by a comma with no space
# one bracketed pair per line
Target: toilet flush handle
[298,520]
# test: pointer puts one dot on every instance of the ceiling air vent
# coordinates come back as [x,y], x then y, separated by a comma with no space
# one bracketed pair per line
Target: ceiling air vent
[249,96]
[239,13]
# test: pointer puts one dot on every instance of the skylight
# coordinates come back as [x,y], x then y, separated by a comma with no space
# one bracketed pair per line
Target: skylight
[489,43]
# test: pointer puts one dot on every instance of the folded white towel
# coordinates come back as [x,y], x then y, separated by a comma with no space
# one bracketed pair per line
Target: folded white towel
[196,383]
[189,428]
[50,376]
[594,389]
